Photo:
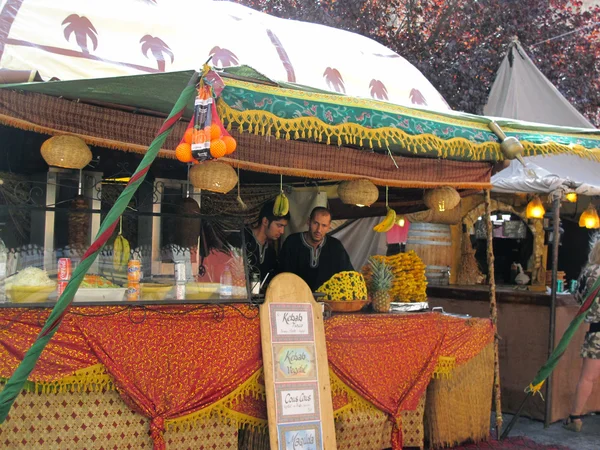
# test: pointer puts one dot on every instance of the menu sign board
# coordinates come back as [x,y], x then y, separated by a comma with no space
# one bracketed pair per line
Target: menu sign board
[296,374]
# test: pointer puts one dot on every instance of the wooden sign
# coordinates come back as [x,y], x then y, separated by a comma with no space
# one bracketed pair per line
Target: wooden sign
[295,365]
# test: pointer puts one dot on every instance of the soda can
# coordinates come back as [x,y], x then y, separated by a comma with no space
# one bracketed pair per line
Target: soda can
[64,269]
[559,285]
[134,271]
[133,291]
[180,276]
[180,291]
[60,288]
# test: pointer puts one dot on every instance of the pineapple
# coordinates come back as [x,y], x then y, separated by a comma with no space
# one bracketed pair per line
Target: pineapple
[381,283]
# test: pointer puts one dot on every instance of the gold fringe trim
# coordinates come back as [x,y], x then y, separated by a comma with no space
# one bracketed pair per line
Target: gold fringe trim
[444,367]
[91,140]
[356,402]
[222,407]
[91,379]
[265,123]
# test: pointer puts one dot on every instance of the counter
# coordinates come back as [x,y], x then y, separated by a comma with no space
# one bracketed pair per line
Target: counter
[523,327]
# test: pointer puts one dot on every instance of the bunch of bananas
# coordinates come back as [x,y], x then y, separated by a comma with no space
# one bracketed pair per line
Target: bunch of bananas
[387,223]
[121,251]
[282,205]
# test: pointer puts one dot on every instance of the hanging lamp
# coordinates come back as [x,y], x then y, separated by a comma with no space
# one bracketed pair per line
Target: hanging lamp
[213,176]
[589,218]
[535,209]
[571,197]
[358,192]
[441,199]
[69,152]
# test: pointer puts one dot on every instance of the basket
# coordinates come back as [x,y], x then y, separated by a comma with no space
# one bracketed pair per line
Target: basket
[155,291]
[442,199]
[30,294]
[358,192]
[346,306]
[213,176]
[201,291]
[69,152]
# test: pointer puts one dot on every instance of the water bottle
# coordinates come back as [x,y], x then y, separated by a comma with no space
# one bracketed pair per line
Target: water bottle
[226,288]
[3,261]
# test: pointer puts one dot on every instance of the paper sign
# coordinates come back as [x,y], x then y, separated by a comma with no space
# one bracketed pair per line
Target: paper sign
[300,436]
[291,322]
[294,362]
[297,402]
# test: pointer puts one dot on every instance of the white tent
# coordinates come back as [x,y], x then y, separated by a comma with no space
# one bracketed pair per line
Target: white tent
[522,92]
[80,39]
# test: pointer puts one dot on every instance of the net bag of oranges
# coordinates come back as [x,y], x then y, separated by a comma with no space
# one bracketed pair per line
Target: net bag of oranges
[205,137]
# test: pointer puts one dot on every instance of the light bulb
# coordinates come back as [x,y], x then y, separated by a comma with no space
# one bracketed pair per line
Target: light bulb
[442,206]
[571,197]
[401,221]
[360,206]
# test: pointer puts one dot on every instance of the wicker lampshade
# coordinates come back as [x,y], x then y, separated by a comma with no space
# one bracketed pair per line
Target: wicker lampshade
[441,199]
[213,176]
[589,218]
[358,192]
[69,152]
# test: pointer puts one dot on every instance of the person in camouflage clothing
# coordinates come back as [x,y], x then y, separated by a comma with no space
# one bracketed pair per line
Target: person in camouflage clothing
[590,350]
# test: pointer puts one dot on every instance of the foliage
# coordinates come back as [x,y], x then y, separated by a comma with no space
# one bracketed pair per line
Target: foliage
[459,44]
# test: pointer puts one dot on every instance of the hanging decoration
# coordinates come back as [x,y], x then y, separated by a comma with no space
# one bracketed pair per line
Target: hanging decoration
[213,176]
[69,152]
[390,218]
[442,198]
[535,209]
[205,137]
[358,192]
[589,218]
[282,205]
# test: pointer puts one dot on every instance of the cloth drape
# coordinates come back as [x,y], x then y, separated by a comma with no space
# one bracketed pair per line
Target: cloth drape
[389,361]
[171,362]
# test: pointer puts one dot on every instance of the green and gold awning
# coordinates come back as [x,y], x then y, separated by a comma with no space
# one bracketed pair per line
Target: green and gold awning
[257,105]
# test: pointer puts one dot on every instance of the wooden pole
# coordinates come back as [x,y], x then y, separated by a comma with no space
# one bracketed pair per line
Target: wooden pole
[551,331]
[493,310]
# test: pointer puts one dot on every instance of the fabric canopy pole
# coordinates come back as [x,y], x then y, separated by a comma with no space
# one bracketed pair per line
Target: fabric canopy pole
[17,380]
[493,310]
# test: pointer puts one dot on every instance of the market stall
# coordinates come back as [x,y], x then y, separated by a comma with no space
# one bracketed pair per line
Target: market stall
[322,136]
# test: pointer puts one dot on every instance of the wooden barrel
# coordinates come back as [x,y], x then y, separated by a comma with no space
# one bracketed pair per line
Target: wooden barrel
[432,242]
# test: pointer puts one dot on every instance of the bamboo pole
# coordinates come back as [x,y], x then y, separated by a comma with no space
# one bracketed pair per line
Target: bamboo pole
[551,331]
[493,311]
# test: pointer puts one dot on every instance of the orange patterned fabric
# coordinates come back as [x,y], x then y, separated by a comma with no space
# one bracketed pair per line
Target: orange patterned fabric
[389,360]
[167,361]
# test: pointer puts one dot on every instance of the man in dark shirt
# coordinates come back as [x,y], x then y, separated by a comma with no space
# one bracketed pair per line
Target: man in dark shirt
[312,255]
[260,241]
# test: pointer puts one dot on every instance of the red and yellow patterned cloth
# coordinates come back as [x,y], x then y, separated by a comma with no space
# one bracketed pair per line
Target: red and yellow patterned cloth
[176,364]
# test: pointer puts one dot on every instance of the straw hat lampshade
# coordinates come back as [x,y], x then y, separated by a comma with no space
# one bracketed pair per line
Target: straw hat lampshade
[358,192]
[535,209]
[441,199]
[589,218]
[213,176]
[69,152]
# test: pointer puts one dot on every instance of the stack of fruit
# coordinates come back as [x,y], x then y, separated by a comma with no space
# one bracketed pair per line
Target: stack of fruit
[344,286]
[409,284]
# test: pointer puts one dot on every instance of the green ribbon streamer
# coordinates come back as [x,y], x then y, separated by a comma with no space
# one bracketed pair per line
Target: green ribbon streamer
[559,350]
